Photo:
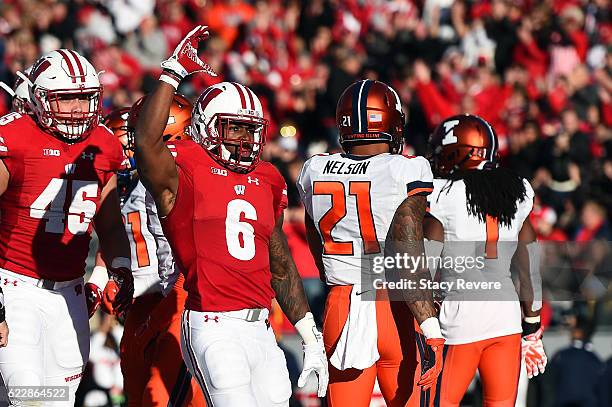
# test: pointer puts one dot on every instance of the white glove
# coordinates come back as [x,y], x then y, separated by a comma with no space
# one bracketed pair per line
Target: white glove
[533,353]
[315,359]
[185,60]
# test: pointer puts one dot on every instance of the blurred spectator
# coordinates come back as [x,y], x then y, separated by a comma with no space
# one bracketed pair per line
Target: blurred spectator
[147,44]
[594,223]
[544,219]
[104,385]
[604,393]
[573,373]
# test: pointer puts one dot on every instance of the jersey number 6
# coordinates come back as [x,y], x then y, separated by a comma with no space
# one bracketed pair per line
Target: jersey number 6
[361,191]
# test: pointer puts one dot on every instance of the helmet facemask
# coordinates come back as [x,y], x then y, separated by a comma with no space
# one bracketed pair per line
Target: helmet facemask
[235,141]
[69,118]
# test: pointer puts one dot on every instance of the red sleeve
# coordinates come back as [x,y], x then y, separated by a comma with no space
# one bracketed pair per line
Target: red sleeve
[435,107]
[279,191]
[10,149]
[113,154]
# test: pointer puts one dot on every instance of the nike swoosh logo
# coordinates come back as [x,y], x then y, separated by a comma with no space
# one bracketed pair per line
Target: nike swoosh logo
[363,292]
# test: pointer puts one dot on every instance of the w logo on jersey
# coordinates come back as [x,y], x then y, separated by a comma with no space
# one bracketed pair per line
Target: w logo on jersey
[239,189]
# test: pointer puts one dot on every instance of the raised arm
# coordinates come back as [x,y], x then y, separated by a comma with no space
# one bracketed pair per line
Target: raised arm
[156,166]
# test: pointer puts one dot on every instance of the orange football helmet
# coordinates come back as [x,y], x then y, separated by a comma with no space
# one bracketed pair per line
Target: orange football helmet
[178,124]
[462,142]
[371,111]
[116,121]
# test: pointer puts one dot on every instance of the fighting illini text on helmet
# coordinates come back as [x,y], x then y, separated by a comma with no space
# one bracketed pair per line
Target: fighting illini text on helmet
[219,106]
[462,142]
[62,75]
[370,111]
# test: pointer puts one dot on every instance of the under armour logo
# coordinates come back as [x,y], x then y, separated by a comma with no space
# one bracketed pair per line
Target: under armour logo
[253,180]
[215,318]
[239,189]
[85,155]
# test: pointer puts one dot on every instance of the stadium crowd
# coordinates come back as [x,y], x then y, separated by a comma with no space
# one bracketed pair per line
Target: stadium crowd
[539,71]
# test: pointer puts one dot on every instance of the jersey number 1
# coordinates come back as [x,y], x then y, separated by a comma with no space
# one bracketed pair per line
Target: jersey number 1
[361,191]
[492,237]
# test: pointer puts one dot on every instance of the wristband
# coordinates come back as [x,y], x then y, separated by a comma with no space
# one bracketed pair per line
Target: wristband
[99,276]
[431,328]
[530,325]
[170,79]
[307,329]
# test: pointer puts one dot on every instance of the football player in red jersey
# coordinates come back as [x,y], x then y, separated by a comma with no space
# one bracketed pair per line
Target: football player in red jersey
[57,175]
[222,212]
[154,373]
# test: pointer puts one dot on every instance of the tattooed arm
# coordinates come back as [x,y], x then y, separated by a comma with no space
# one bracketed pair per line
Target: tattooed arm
[405,237]
[286,281]
[287,285]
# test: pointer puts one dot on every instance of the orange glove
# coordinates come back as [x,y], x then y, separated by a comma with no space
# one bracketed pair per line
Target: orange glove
[431,366]
[108,297]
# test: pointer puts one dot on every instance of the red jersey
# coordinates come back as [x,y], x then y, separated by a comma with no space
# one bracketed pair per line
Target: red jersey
[219,230]
[52,196]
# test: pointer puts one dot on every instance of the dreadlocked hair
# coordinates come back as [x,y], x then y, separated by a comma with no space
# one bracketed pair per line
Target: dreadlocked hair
[494,192]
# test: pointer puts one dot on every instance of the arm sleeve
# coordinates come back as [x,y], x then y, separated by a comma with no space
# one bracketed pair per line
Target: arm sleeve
[304,187]
[419,178]
[526,206]
[115,157]
[279,190]
[5,153]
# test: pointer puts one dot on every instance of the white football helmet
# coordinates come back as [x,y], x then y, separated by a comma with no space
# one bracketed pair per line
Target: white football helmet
[217,107]
[21,99]
[59,76]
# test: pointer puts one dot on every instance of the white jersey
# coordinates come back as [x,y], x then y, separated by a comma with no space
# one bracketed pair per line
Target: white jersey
[490,308]
[352,201]
[150,251]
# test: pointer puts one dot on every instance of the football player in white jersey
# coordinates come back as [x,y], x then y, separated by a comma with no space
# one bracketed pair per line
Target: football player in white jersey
[480,212]
[153,369]
[355,201]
